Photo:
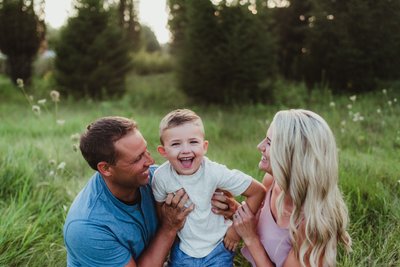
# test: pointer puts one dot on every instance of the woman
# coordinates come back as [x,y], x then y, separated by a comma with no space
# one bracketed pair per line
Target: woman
[304,216]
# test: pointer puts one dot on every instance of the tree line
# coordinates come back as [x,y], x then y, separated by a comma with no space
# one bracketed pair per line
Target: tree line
[226,51]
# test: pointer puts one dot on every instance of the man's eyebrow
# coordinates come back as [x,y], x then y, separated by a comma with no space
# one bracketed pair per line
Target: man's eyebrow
[268,139]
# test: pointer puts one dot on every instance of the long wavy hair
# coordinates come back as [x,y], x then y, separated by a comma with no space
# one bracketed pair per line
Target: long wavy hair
[305,166]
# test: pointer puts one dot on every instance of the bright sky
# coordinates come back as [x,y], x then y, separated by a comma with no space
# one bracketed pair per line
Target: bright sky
[151,12]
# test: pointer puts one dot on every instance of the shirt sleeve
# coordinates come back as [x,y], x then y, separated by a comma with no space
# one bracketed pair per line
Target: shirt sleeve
[233,181]
[158,187]
[90,244]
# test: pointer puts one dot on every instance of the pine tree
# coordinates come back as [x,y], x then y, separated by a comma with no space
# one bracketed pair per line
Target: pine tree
[21,33]
[92,55]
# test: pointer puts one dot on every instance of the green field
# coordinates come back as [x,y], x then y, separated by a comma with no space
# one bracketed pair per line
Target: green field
[41,171]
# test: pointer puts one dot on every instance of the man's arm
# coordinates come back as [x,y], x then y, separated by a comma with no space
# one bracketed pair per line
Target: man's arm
[173,216]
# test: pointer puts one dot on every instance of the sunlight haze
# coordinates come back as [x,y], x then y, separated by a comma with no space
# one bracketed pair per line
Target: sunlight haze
[151,12]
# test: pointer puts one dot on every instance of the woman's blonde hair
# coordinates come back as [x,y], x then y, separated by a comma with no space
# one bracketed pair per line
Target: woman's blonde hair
[305,166]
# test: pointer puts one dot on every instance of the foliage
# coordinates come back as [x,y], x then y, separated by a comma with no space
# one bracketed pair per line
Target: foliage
[145,63]
[149,40]
[177,21]
[226,54]
[92,55]
[353,56]
[35,194]
[21,33]
[129,22]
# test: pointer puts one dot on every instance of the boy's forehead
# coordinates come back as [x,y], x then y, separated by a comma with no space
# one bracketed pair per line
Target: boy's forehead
[187,127]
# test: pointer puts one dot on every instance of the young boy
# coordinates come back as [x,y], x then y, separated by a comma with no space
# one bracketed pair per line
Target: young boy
[200,240]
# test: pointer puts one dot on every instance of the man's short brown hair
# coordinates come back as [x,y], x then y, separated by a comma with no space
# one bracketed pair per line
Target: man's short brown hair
[97,142]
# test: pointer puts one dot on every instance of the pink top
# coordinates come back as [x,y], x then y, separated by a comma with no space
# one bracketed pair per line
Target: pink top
[276,240]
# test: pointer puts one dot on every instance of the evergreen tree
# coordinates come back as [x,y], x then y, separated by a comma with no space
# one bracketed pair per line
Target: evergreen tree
[92,55]
[21,33]
[177,23]
[226,54]
[149,40]
[354,43]
[129,22]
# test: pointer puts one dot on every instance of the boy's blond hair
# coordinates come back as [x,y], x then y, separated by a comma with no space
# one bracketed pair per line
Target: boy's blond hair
[179,117]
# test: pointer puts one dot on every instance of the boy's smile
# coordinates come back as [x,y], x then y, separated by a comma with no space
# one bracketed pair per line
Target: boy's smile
[184,147]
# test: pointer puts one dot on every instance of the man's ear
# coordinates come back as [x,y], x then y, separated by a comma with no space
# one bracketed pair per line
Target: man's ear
[205,146]
[104,168]
[161,150]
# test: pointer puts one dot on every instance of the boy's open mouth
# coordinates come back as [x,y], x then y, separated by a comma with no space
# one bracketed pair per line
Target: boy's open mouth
[186,161]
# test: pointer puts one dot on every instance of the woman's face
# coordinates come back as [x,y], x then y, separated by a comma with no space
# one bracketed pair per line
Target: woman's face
[264,147]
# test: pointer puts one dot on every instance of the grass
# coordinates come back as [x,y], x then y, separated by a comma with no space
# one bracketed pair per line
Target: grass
[36,189]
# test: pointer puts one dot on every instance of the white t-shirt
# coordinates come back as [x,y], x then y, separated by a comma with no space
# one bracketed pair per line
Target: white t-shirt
[203,230]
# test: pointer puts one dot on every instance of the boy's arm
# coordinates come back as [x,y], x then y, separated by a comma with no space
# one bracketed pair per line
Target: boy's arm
[255,195]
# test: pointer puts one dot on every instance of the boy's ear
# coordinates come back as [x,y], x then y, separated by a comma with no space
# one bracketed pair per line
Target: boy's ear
[161,150]
[205,146]
[104,168]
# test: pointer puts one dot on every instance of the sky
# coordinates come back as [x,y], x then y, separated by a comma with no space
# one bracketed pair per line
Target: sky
[151,12]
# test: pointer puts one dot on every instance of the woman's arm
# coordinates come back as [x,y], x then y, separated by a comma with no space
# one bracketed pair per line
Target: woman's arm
[245,225]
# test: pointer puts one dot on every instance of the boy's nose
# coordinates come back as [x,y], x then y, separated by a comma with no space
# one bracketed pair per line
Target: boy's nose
[185,148]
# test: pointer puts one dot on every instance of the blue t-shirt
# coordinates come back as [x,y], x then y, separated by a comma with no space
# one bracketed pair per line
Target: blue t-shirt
[100,230]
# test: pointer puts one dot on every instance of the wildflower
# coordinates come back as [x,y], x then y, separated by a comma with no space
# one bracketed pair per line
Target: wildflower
[60,122]
[55,96]
[51,173]
[75,137]
[52,162]
[378,111]
[349,106]
[31,97]
[343,123]
[330,17]
[342,130]
[42,101]
[353,98]
[390,103]
[332,104]
[20,82]
[36,109]
[394,100]
[61,166]
[384,91]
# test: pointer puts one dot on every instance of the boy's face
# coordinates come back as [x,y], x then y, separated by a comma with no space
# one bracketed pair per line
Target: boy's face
[184,147]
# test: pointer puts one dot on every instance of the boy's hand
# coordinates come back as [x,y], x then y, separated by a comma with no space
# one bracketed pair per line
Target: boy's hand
[231,239]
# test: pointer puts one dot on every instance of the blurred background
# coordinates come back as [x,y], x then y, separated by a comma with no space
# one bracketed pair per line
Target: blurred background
[64,63]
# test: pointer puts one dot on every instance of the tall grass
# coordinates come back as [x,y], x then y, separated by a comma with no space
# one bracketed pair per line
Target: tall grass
[41,171]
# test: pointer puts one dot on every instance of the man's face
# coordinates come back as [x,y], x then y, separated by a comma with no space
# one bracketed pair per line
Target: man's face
[184,147]
[131,169]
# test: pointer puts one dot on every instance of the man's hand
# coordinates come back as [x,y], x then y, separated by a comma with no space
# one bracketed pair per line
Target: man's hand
[224,203]
[174,212]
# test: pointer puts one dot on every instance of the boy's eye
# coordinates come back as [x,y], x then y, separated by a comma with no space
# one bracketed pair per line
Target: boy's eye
[174,144]
[194,142]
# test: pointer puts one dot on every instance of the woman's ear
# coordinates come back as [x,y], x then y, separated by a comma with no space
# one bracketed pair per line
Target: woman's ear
[161,150]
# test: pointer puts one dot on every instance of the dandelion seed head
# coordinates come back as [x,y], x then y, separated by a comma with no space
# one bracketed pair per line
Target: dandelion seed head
[332,104]
[378,111]
[52,162]
[31,98]
[349,106]
[390,103]
[61,166]
[353,98]
[384,91]
[36,109]
[330,17]
[20,82]
[75,137]
[394,100]
[60,122]
[65,207]
[42,101]
[51,173]
[342,130]
[55,96]
[343,122]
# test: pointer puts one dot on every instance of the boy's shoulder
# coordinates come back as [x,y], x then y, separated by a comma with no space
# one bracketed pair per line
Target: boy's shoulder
[162,169]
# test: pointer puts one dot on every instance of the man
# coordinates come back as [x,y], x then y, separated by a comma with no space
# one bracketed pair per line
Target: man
[113,221]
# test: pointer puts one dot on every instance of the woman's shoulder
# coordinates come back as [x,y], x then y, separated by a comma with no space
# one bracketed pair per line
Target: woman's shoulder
[268,181]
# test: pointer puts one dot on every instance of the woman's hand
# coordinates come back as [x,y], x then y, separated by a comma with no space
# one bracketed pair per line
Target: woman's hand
[223,203]
[245,224]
